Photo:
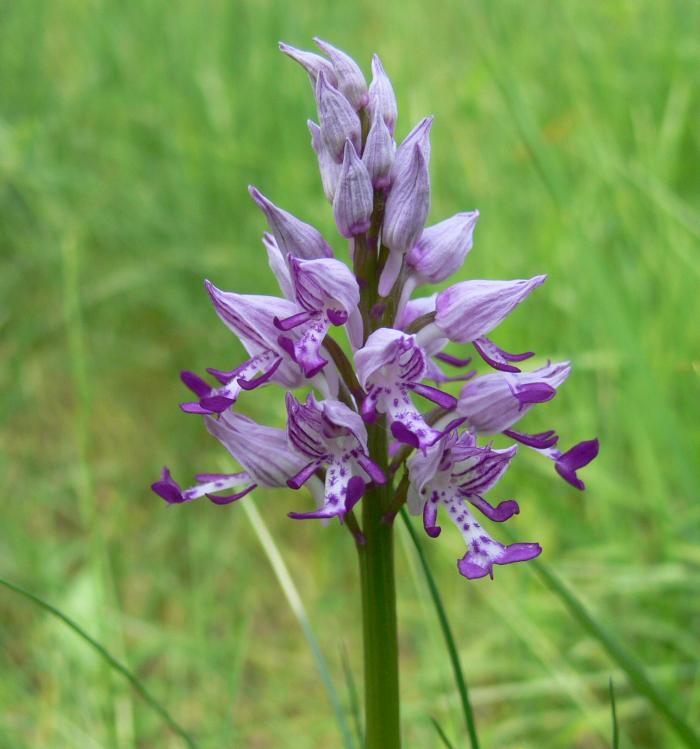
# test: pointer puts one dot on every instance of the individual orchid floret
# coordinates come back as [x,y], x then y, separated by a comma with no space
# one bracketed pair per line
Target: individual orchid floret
[328,167]
[291,234]
[312,63]
[389,366]
[442,248]
[419,136]
[456,469]
[339,121]
[263,451]
[207,483]
[328,433]
[251,318]
[382,99]
[352,205]
[469,310]
[378,154]
[495,402]
[327,292]
[407,207]
[351,80]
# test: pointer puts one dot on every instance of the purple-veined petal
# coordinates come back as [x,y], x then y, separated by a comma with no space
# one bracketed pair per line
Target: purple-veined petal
[471,309]
[311,62]
[278,265]
[352,205]
[419,136]
[323,283]
[292,235]
[491,402]
[263,451]
[443,247]
[328,167]
[382,99]
[407,204]
[351,80]
[339,121]
[378,154]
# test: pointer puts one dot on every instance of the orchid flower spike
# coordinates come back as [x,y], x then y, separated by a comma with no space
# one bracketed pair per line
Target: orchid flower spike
[384,403]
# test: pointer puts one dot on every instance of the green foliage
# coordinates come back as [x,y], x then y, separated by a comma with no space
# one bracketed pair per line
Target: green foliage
[128,134]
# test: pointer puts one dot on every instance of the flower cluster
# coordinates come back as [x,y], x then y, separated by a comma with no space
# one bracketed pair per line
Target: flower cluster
[395,345]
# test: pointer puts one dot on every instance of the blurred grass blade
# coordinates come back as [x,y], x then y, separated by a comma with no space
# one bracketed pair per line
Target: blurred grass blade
[443,736]
[353,696]
[111,660]
[295,604]
[627,662]
[447,633]
[613,715]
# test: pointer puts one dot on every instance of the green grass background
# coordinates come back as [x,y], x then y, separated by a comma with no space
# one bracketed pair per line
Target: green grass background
[128,134]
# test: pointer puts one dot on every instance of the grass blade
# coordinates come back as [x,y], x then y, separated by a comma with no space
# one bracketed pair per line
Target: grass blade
[447,633]
[295,604]
[110,659]
[443,736]
[627,662]
[613,715]
[353,696]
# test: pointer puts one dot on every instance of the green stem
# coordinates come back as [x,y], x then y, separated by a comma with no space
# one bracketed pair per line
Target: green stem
[379,627]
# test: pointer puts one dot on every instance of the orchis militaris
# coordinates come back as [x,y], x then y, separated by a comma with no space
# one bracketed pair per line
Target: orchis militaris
[366,418]
[371,181]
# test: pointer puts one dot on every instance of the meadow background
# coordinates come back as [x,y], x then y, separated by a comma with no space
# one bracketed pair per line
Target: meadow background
[128,134]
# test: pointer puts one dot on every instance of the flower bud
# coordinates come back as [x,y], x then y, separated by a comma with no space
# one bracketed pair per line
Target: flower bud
[292,235]
[407,204]
[442,248]
[339,121]
[351,80]
[352,206]
[419,136]
[311,62]
[382,100]
[378,155]
[327,165]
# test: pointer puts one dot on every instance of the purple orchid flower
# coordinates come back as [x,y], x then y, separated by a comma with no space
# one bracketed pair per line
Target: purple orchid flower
[467,311]
[251,318]
[455,470]
[328,433]
[389,366]
[328,294]
[495,402]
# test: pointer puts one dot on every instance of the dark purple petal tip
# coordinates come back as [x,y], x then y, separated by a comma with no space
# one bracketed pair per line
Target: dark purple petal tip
[168,489]
[216,403]
[228,499]
[195,383]
[578,456]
